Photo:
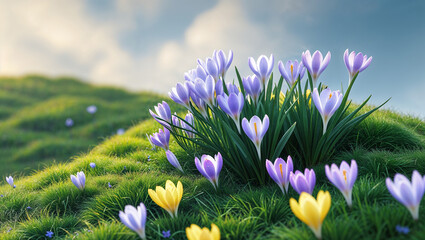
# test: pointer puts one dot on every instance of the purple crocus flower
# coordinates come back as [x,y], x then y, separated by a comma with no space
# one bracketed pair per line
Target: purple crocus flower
[69,122]
[173,160]
[211,67]
[162,111]
[190,120]
[210,167]
[408,193]
[232,88]
[175,120]
[255,129]
[181,94]
[252,85]
[232,105]
[291,71]
[205,89]
[279,172]
[327,103]
[356,63]
[303,182]
[92,109]
[198,72]
[150,142]
[343,178]
[161,138]
[315,64]
[135,219]
[9,180]
[262,68]
[200,104]
[92,165]
[79,181]
[223,62]
[49,234]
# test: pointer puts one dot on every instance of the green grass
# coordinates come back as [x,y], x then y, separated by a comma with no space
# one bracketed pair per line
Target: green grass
[33,110]
[384,144]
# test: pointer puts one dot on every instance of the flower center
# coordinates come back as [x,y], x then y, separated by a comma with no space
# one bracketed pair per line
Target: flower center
[330,95]
[281,171]
[255,127]
[292,71]
[344,172]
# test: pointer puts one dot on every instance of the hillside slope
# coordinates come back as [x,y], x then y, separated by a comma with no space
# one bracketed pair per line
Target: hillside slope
[383,145]
[33,111]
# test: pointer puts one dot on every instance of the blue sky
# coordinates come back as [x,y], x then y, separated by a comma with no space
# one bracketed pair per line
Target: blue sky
[148,45]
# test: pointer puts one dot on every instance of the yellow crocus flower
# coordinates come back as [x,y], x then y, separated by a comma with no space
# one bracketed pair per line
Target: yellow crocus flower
[168,198]
[311,211]
[194,232]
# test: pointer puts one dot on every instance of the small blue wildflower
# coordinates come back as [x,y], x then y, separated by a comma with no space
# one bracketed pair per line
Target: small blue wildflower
[1,195]
[92,165]
[10,229]
[69,122]
[29,208]
[92,109]
[88,230]
[402,229]
[49,234]
[109,185]
[125,168]
[120,131]
[14,186]
[166,234]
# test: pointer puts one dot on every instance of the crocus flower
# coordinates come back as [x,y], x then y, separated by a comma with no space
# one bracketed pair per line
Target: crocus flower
[205,89]
[232,88]
[190,120]
[9,180]
[408,193]
[223,62]
[180,94]
[262,68]
[49,234]
[210,167]
[279,172]
[92,165]
[162,112]
[356,63]
[194,232]
[161,138]
[120,131]
[69,122]
[150,142]
[200,104]
[343,178]
[173,160]
[232,105]
[315,64]
[198,72]
[92,109]
[291,71]
[327,103]
[303,182]
[252,85]
[211,67]
[255,130]
[79,181]
[175,120]
[168,198]
[311,211]
[135,219]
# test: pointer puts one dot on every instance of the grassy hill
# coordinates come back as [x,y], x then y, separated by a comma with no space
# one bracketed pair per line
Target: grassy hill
[384,144]
[33,111]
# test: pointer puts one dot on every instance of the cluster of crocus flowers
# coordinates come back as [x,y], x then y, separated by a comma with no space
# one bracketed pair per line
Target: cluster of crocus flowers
[303,182]
[161,138]
[9,180]
[79,181]
[315,64]
[408,193]
[255,129]
[135,219]
[168,198]
[356,63]
[311,211]
[210,167]
[343,178]
[194,232]
[280,171]
[326,103]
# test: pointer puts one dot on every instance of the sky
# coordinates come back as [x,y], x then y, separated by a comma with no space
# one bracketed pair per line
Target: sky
[149,45]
